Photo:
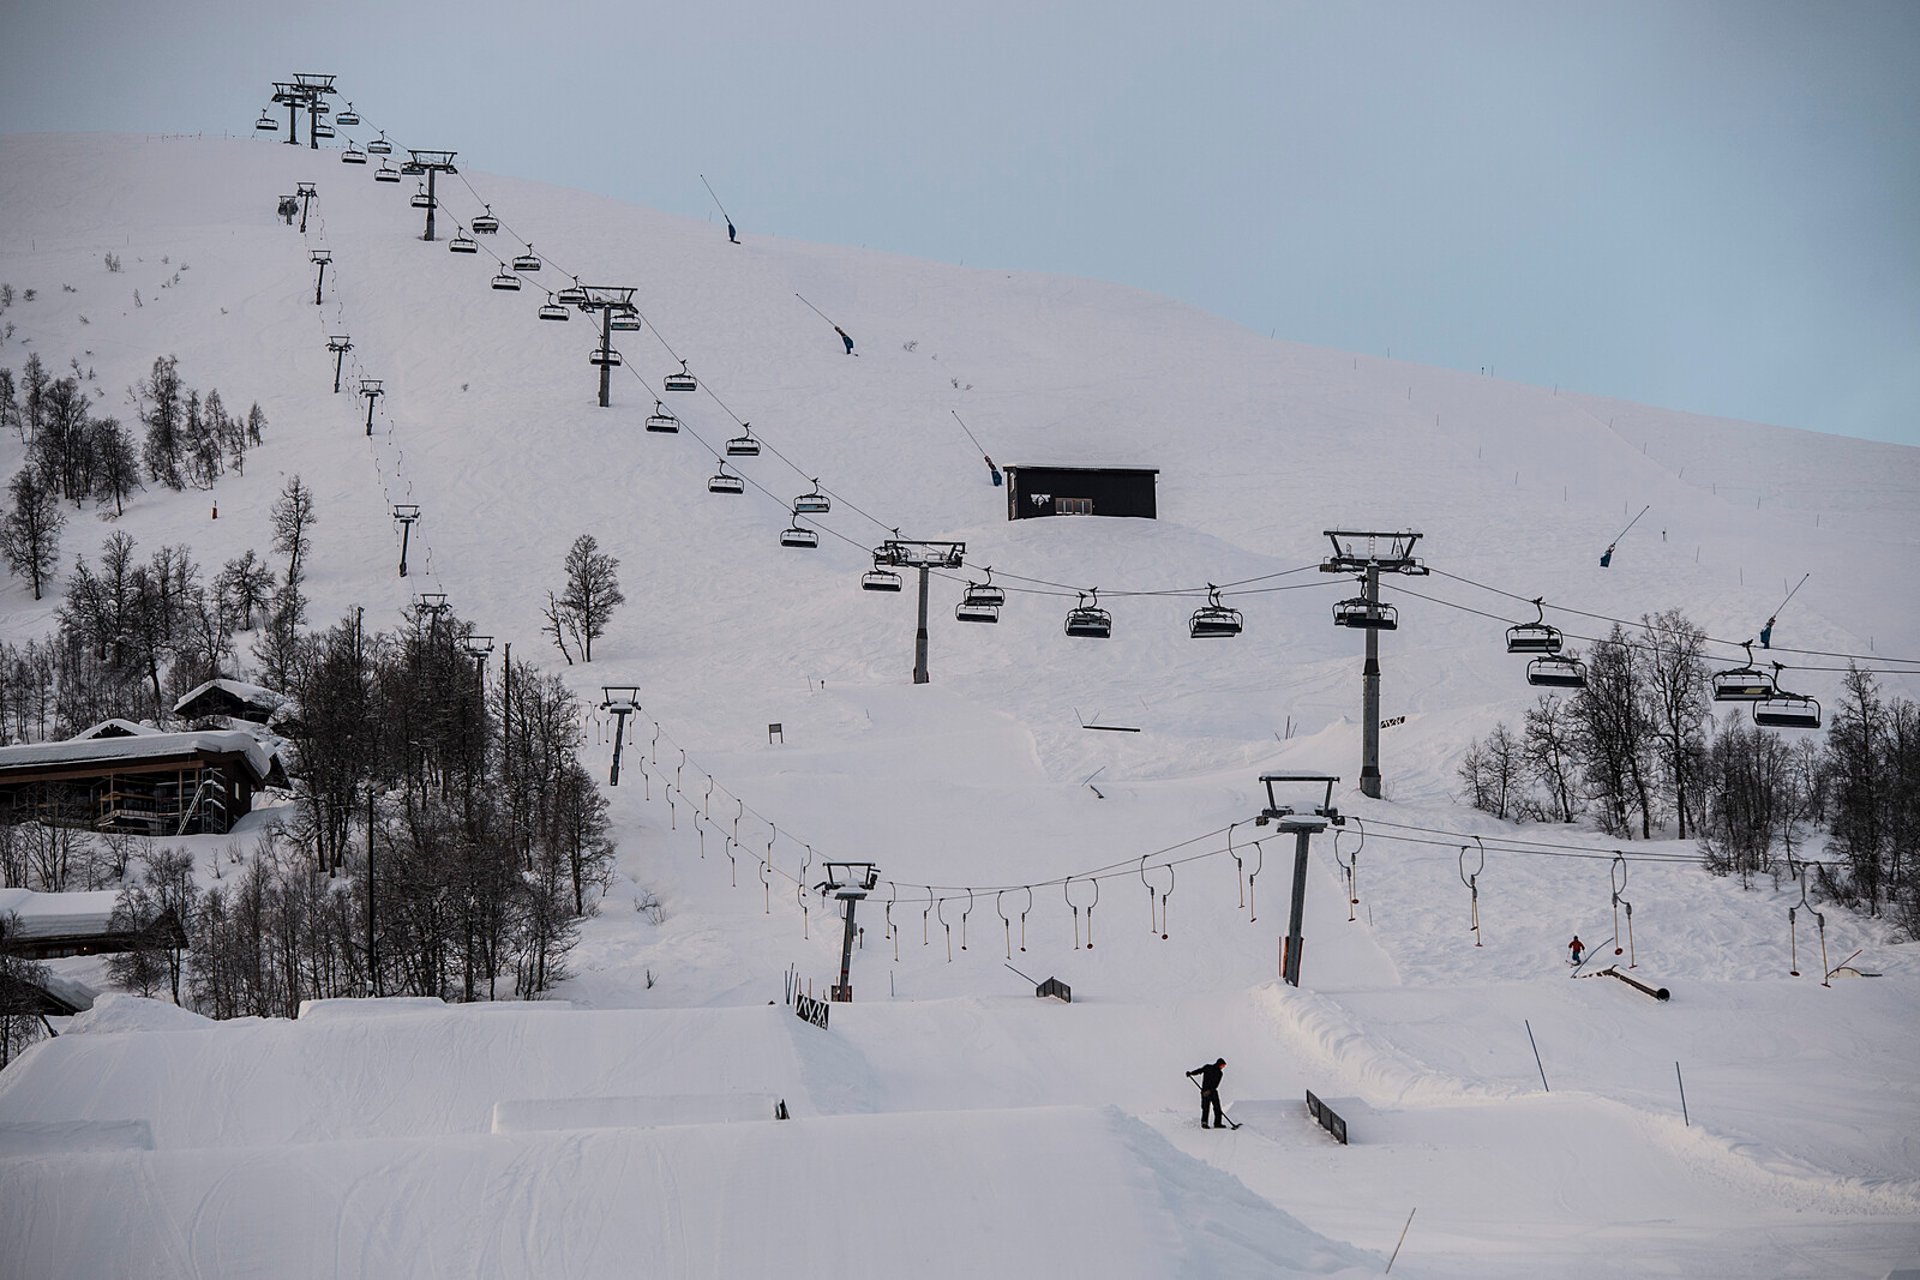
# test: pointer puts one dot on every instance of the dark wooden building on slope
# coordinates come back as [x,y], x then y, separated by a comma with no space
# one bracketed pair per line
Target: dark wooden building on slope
[1081,491]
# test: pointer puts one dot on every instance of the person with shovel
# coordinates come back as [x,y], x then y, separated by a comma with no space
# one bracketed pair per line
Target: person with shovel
[1210,1092]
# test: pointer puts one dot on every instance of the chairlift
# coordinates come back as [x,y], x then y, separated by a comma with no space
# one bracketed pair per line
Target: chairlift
[528,261]
[386,172]
[266,123]
[348,117]
[879,578]
[975,611]
[413,168]
[421,200]
[624,322]
[1363,614]
[1214,619]
[1787,711]
[604,356]
[323,131]
[551,310]
[662,419]
[795,536]
[681,381]
[984,594]
[461,244]
[813,502]
[1538,636]
[353,156]
[744,446]
[486,224]
[724,481]
[380,146]
[507,282]
[1743,684]
[572,295]
[1557,671]
[1089,620]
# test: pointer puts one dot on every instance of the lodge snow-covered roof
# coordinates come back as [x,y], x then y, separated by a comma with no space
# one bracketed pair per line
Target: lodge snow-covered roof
[252,695]
[146,746]
[57,915]
[114,727]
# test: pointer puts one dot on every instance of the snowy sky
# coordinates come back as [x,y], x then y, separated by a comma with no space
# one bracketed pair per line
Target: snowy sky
[1705,205]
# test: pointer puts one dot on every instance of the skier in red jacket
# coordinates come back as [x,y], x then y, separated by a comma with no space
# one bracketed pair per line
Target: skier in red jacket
[1576,948]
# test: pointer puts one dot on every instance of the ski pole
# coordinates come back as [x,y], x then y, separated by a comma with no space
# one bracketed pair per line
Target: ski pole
[716,199]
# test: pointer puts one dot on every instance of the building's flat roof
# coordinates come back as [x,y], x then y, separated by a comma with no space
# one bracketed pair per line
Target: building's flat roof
[150,746]
[1078,466]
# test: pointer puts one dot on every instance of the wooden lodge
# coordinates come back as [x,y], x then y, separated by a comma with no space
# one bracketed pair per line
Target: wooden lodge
[157,784]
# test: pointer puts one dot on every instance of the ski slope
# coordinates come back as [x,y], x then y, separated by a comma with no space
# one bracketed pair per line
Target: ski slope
[947,1123]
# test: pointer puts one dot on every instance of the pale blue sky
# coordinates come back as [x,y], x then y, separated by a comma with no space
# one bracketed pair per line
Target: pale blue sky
[1705,205]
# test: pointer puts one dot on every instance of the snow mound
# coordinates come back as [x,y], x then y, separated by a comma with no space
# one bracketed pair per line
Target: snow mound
[118,1012]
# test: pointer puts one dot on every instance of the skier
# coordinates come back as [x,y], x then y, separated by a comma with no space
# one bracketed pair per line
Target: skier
[1766,635]
[287,208]
[1210,1091]
[1606,557]
[844,338]
[1576,948]
[731,236]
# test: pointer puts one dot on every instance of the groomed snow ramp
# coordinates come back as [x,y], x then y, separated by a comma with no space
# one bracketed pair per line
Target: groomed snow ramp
[1045,1192]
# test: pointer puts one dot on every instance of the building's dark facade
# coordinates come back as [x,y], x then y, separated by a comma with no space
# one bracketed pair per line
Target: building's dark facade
[1081,491]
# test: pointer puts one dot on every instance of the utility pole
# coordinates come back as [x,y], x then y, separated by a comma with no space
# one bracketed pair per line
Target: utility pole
[373,953]
[1369,554]
[339,344]
[370,388]
[617,313]
[623,700]
[320,258]
[924,556]
[406,513]
[847,882]
[432,164]
[1305,815]
[305,191]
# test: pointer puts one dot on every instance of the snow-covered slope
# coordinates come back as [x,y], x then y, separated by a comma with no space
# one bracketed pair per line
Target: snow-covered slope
[947,1123]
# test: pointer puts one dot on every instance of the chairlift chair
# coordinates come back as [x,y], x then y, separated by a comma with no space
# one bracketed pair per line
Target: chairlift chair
[551,310]
[970,611]
[1089,620]
[681,381]
[745,445]
[795,536]
[507,282]
[486,224]
[348,117]
[421,200]
[528,261]
[266,123]
[461,244]
[323,131]
[624,322]
[413,168]
[662,419]
[879,578]
[984,594]
[1538,636]
[386,172]
[353,156]
[1555,671]
[608,357]
[1787,711]
[814,502]
[1743,684]
[572,295]
[1364,615]
[724,481]
[380,146]
[1214,619]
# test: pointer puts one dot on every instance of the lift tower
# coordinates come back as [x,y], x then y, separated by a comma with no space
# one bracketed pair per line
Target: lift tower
[1293,806]
[924,556]
[432,164]
[847,882]
[614,303]
[1370,554]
